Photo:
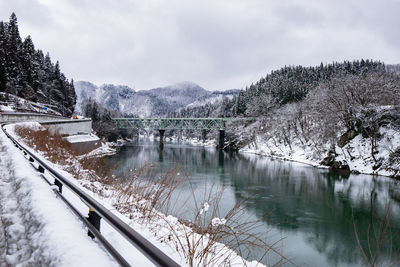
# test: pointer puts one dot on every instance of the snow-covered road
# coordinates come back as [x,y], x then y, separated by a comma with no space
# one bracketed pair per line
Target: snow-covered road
[16,241]
[36,228]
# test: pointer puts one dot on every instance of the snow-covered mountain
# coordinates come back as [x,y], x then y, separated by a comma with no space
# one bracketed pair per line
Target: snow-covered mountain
[147,103]
[214,98]
[111,96]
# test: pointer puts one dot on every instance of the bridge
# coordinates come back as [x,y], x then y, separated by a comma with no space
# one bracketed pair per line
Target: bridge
[162,124]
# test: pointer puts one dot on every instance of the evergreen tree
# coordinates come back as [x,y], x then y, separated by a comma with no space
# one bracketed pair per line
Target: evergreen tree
[13,55]
[240,105]
[27,73]
[280,87]
[3,42]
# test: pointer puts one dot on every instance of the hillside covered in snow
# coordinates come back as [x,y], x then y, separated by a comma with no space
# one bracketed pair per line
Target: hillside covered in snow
[342,116]
[146,103]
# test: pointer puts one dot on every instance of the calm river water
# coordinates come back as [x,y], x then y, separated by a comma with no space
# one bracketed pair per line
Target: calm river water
[315,211]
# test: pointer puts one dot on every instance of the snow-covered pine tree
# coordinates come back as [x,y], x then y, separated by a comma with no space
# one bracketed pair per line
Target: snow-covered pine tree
[29,69]
[13,56]
[27,73]
[3,42]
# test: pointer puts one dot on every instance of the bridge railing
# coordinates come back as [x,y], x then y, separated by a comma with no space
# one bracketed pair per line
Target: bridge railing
[149,250]
[174,123]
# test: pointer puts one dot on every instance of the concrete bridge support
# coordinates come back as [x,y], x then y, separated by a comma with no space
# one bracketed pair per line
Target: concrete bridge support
[221,140]
[161,145]
[205,124]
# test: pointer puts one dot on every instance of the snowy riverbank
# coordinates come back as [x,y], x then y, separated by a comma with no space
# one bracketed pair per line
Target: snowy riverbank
[356,154]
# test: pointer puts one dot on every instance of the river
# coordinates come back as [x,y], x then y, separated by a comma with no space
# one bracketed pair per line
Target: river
[315,212]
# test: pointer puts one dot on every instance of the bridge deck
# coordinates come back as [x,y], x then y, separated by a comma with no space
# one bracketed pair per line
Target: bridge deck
[172,123]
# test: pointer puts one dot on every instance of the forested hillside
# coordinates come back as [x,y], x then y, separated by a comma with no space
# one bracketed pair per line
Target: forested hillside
[30,74]
[342,115]
[286,85]
[293,83]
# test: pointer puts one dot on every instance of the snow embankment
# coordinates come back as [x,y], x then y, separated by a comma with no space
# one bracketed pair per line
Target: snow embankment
[81,254]
[36,228]
[356,153]
[9,102]
[82,138]
[6,108]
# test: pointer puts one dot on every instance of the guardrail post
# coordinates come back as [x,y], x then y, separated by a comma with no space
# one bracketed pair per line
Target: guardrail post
[59,184]
[41,169]
[94,219]
[31,159]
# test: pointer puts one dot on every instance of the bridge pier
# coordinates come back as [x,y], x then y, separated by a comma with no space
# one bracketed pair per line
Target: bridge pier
[203,135]
[161,145]
[205,124]
[221,140]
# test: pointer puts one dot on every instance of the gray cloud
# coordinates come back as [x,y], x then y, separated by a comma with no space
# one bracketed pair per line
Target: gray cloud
[218,44]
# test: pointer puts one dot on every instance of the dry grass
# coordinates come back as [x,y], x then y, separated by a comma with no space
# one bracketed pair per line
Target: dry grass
[146,191]
[59,151]
[55,148]
[199,239]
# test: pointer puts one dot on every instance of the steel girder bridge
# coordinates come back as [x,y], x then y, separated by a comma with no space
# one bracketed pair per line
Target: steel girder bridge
[162,124]
[171,123]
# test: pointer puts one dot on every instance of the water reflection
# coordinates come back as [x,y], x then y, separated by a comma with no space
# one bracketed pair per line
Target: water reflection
[317,210]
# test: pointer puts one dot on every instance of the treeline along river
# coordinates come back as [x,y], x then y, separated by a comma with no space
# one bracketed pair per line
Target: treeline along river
[316,212]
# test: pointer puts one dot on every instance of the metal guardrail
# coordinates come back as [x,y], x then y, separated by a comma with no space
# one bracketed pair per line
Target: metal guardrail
[149,250]
[8,117]
[63,121]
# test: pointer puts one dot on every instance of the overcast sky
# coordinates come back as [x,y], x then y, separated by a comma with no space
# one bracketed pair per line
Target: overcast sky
[218,44]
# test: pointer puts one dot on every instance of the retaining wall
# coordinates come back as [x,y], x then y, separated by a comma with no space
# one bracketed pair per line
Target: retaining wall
[68,127]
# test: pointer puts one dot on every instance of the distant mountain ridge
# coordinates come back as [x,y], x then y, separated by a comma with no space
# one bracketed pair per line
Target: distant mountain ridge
[147,103]
[395,68]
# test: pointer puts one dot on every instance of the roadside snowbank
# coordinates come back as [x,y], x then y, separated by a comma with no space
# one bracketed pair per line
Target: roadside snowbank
[38,228]
[6,108]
